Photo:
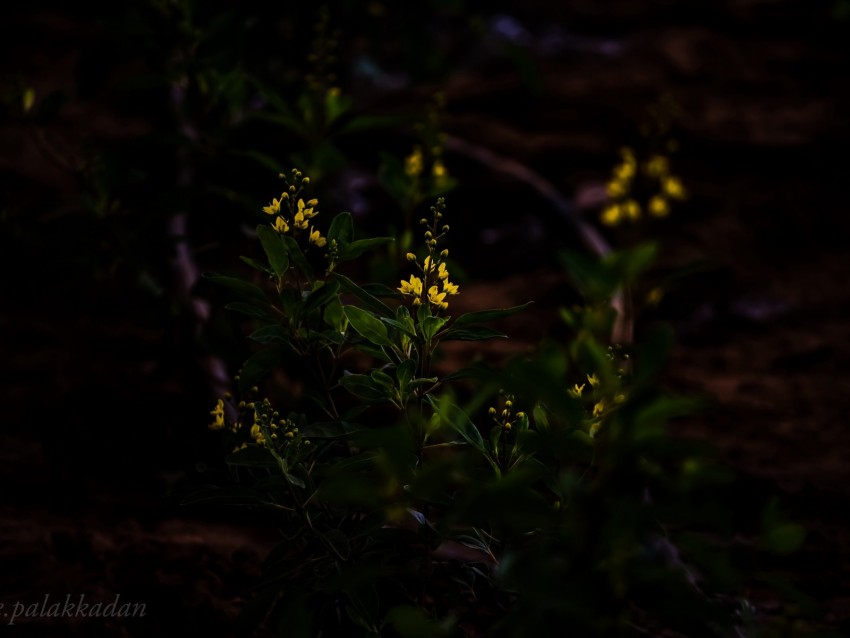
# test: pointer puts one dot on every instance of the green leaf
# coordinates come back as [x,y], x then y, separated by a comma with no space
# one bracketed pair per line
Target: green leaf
[270,334]
[383,379]
[364,387]
[367,325]
[357,248]
[320,295]
[370,301]
[413,622]
[405,372]
[297,257]
[460,422]
[341,229]
[257,366]
[256,265]
[432,325]
[488,315]
[249,309]
[274,248]
[475,333]
[239,286]
[398,325]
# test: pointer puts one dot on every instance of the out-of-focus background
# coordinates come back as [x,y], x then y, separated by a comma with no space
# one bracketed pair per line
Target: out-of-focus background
[139,141]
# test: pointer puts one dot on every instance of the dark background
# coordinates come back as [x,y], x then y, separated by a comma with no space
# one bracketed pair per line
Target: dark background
[106,383]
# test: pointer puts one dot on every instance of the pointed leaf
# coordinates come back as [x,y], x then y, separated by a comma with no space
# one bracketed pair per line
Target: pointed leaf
[482,316]
[274,248]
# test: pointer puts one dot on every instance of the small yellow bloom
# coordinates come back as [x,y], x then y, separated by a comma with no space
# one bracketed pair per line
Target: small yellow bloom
[317,239]
[442,273]
[616,188]
[673,188]
[307,209]
[624,172]
[611,215]
[599,408]
[218,413]
[576,391]
[413,163]
[449,287]
[657,166]
[273,208]
[631,209]
[658,206]
[593,380]
[412,287]
[280,225]
[594,428]
[436,297]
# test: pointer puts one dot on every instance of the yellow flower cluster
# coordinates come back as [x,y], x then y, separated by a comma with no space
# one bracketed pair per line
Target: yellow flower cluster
[599,405]
[292,213]
[434,285]
[623,206]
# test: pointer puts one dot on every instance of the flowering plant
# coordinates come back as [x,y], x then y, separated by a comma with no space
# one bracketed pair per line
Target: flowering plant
[414,502]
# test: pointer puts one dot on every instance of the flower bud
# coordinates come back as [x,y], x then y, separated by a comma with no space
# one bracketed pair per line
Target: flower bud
[411,257]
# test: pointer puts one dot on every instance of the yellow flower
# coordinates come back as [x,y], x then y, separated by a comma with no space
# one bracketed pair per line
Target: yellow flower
[599,408]
[218,413]
[280,225]
[273,208]
[616,188]
[673,188]
[624,172]
[593,380]
[316,238]
[658,207]
[631,209]
[412,287]
[657,166]
[436,297]
[576,391]
[307,209]
[442,273]
[439,170]
[449,287]
[611,215]
[594,428]
[413,163]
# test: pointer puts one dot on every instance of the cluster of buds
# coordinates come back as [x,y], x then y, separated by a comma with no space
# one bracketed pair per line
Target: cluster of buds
[291,213]
[623,204]
[268,424]
[506,417]
[434,285]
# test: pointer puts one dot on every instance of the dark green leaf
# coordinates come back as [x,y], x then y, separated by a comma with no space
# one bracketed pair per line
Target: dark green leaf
[249,309]
[364,387]
[474,333]
[460,422]
[488,315]
[320,296]
[297,257]
[370,301]
[270,334]
[367,325]
[257,265]
[357,248]
[257,366]
[274,248]
[342,229]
